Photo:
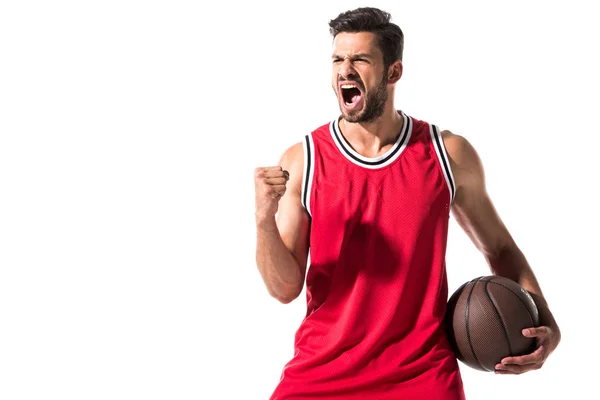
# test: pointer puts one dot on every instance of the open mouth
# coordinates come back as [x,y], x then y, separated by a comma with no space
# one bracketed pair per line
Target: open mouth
[351,95]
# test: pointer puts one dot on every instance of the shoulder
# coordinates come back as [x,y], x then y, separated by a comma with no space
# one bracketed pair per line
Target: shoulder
[465,162]
[457,146]
[459,149]
[294,154]
[292,160]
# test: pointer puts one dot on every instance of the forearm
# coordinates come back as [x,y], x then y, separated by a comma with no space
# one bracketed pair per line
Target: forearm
[511,263]
[278,267]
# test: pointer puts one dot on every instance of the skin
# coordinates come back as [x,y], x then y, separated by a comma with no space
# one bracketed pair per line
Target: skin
[283,223]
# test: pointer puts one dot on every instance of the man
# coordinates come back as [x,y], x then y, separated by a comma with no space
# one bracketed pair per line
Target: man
[370,193]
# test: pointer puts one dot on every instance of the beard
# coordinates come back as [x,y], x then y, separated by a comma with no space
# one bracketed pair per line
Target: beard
[374,104]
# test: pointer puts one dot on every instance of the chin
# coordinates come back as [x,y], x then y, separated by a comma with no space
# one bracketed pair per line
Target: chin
[352,116]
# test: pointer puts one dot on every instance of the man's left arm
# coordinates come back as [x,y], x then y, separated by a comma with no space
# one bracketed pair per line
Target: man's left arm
[473,210]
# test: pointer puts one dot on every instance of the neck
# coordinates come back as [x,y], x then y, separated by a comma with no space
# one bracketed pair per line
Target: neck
[374,136]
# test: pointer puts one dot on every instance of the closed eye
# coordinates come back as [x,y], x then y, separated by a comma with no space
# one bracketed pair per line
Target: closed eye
[361,60]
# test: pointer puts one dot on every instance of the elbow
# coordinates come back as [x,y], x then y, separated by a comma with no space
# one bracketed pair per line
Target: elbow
[285,300]
[509,262]
[499,249]
[286,296]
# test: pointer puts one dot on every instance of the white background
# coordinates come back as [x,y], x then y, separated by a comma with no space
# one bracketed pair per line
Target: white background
[129,136]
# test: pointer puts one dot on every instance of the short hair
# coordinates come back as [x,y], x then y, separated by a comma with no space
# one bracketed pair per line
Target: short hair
[368,19]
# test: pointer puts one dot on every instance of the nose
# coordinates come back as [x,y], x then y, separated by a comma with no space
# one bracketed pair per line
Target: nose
[347,71]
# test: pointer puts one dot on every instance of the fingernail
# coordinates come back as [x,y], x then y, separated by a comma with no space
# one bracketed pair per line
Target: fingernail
[526,332]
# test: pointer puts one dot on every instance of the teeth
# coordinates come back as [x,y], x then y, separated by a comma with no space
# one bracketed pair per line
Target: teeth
[349,87]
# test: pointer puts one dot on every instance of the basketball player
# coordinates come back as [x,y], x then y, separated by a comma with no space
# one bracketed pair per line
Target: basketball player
[370,194]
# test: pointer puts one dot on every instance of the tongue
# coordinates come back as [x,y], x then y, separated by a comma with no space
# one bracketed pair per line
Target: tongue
[355,98]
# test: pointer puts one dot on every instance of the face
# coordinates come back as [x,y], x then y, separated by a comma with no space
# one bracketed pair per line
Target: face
[359,78]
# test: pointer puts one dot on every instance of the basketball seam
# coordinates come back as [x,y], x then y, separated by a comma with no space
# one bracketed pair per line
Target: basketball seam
[518,297]
[467,325]
[487,293]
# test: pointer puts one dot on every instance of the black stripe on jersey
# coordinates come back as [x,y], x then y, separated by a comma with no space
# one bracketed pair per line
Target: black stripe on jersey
[307,168]
[440,147]
[341,140]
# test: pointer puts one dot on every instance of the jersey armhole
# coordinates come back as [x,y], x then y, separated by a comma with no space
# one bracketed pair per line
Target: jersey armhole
[307,175]
[440,149]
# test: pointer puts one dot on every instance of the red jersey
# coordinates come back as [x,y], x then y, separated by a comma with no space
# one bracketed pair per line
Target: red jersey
[376,285]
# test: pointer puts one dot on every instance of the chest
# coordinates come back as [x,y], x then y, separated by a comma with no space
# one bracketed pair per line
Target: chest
[406,190]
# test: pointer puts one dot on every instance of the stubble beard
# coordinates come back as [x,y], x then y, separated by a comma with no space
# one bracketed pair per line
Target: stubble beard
[374,104]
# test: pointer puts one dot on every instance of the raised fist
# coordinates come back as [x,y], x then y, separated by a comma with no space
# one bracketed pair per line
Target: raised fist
[269,184]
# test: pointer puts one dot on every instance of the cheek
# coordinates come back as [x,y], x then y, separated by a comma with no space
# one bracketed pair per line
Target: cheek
[334,81]
[371,80]
[334,75]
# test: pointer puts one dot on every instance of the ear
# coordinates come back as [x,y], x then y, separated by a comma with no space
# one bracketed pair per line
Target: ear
[395,72]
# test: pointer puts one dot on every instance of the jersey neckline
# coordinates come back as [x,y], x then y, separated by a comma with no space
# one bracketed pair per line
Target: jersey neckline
[372,162]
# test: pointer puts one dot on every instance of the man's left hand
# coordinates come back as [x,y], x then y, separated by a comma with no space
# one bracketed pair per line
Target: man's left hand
[547,339]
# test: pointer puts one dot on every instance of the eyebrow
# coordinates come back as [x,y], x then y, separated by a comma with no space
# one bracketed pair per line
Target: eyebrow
[355,56]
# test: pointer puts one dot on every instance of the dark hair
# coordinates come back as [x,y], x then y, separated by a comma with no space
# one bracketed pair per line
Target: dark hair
[368,19]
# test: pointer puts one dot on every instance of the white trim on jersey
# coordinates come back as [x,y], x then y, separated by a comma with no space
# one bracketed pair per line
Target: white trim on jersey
[440,149]
[374,162]
[308,171]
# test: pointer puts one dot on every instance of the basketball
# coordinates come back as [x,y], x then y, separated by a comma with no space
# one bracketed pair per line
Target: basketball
[485,318]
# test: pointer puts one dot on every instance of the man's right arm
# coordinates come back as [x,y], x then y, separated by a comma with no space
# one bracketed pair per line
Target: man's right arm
[282,226]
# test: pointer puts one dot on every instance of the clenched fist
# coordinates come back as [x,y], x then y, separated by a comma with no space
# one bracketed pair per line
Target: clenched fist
[269,184]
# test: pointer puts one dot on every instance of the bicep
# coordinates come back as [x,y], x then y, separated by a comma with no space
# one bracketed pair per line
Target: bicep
[293,221]
[473,208]
[294,224]
[475,213]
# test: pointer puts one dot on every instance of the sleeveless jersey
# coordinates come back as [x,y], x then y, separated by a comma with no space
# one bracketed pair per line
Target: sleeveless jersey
[376,286]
